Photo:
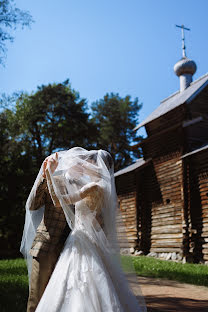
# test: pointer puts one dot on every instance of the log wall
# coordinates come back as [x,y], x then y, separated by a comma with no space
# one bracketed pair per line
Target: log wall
[166,121]
[166,231]
[197,134]
[127,214]
[165,145]
[198,220]
[148,191]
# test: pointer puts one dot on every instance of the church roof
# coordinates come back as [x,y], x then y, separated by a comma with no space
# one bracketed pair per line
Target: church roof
[176,100]
[140,162]
[196,151]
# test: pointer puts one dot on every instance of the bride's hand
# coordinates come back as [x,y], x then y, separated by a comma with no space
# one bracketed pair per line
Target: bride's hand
[51,163]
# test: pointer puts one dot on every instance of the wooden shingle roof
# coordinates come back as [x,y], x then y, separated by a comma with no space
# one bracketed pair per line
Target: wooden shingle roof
[177,99]
[139,163]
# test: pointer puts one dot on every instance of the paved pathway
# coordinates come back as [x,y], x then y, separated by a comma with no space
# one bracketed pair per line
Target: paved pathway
[168,296]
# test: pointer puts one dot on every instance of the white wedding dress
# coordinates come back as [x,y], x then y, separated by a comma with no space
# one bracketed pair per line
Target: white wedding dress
[88,275]
[81,281]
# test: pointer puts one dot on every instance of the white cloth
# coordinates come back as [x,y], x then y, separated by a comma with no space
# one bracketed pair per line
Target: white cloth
[88,275]
[86,279]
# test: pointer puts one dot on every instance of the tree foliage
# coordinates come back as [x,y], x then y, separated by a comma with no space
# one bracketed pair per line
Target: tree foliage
[14,181]
[10,18]
[53,118]
[115,119]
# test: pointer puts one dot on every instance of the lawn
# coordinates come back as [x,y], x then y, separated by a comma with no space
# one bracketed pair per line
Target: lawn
[14,281]
[196,274]
[13,285]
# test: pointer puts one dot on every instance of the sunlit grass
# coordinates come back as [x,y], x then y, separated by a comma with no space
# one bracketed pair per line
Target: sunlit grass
[14,281]
[196,274]
[13,285]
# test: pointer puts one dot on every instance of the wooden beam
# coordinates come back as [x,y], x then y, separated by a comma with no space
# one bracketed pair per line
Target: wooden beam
[157,134]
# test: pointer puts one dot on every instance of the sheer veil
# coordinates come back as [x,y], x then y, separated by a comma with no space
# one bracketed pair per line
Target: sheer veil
[80,171]
[32,220]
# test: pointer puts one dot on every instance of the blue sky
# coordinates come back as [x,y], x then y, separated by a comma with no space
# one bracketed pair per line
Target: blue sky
[126,47]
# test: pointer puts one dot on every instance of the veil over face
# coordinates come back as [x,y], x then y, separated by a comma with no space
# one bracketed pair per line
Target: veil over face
[83,184]
[78,175]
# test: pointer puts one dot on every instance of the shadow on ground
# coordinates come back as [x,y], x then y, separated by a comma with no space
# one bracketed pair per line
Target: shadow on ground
[168,304]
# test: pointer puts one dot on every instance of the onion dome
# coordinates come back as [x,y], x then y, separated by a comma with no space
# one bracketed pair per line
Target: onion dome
[184,69]
[185,66]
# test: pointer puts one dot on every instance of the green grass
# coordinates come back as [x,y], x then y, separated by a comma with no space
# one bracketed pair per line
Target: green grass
[14,281]
[196,274]
[13,285]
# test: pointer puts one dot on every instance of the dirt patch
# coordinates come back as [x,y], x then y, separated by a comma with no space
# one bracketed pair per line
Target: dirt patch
[168,296]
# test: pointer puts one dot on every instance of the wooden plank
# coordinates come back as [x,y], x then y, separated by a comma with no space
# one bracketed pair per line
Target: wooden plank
[175,221]
[166,244]
[167,249]
[170,214]
[168,229]
[165,209]
[164,236]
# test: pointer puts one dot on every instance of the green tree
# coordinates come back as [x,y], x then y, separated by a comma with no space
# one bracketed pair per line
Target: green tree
[53,118]
[10,18]
[14,181]
[115,119]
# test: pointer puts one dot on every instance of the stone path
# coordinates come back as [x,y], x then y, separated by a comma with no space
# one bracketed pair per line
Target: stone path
[168,296]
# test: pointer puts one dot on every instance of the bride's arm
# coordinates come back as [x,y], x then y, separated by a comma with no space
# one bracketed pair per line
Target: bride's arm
[81,194]
[89,188]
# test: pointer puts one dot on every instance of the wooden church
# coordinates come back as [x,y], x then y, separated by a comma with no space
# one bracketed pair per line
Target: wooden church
[163,196]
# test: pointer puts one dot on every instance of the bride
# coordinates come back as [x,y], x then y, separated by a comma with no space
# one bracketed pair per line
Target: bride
[88,275]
